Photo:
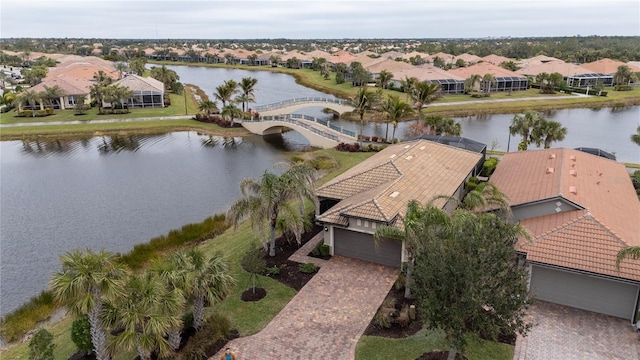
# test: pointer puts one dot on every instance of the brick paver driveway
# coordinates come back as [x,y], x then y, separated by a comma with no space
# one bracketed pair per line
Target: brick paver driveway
[565,333]
[326,318]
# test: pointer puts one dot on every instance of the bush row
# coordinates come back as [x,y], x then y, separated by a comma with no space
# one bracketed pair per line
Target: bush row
[215,119]
[38,113]
[355,147]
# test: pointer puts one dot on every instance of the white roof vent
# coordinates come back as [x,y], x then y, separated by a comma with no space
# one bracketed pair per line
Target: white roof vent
[407,146]
[422,147]
[573,172]
[573,190]
[552,156]
[409,157]
[392,156]
[394,194]
[550,170]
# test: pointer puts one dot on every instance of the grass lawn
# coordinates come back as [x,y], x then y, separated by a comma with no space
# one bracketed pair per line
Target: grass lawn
[177,108]
[374,347]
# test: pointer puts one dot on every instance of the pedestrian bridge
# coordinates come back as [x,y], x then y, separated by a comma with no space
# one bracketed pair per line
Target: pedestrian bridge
[273,118]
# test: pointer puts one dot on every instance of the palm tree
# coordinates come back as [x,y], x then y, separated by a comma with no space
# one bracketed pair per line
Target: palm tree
[395,110]
[247,85]
[145,316]
[121,67]
[547,132]
[274,60]
[208,106]
[101,78]
[473,82]
[263,200]
[425,93]
[488,80]
[636,137]
[383,78]
[231,112]
[623,75]
[363,101]
[53,94]
[204,279]
[522,125]
[630,252]
[98,92]
[86,281]
[408,84]
[486,196]
[419,223]
[225,92]
[29,97]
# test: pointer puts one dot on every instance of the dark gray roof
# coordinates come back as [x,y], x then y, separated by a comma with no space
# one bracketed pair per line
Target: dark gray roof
[456,141]
[598,152]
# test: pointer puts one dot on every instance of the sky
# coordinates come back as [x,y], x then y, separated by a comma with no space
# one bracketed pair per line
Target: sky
[301,19]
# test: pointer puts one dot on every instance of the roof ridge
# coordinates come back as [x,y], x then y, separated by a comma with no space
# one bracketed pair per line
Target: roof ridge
[375,202]
[367,170]
[607,229]
[560,227]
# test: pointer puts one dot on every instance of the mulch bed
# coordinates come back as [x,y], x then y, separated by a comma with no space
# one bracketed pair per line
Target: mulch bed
[439,355]
[253,295]
[395,331]
[289,273]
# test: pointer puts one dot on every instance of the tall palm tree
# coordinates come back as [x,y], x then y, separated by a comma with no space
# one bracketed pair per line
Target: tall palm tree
[523,125]
[208,106]
[247,85]
[204,279]
[473,82]
[86,281]
[488,80]
[395,110]
[623,75]
[121,67]
[383,78]
[425,93]
[636,137]
[549,131]
[28,97]
[225,92]
[53,94]
[263,200]
[145,316]
[231,112]
[363,101]
[419,223]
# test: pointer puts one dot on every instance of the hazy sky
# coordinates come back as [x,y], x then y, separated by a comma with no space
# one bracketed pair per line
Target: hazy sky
[301,19]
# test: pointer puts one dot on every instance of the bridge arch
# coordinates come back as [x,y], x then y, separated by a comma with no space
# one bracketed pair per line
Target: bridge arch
[290,106]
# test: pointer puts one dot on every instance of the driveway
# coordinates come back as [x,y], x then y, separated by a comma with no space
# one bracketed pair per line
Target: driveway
[327,316]
[561,332]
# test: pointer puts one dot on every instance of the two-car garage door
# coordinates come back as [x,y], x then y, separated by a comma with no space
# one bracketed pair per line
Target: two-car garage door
[584,292]
[362,246]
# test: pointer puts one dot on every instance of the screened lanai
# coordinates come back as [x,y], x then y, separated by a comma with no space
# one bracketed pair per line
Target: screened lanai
[449,86]
[589,80]
[510,83]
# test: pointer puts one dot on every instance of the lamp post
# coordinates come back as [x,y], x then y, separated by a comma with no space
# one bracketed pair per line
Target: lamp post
[184,90]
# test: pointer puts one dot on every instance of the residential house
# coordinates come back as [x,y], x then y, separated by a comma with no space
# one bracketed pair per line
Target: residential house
[376,192]
[147,91]
[449,83]
[505,80]
[579,210]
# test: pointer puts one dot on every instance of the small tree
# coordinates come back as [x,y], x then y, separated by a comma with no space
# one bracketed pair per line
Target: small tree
[253,263]
[41,346]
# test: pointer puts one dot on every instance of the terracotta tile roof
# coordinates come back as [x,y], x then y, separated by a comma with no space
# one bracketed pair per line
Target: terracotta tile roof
[380,187]
[447,58]
[139,83]
[70,87]
[392,55]
[482,69]
[607,222]
[388,65]
[566,69]
[606,66]
[536,60]
[468,58]
[341,56]
[414,54]
[426,72]
[495,59]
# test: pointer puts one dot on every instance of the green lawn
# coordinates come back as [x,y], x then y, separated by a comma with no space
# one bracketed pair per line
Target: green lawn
[177,108]
[379,348]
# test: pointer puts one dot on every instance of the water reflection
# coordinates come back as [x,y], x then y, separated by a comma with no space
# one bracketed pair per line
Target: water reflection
[42,148]
[223,141]
[116,144]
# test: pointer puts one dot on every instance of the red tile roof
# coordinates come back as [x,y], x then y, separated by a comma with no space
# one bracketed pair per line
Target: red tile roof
[482,69]
[586,239]
[606,66]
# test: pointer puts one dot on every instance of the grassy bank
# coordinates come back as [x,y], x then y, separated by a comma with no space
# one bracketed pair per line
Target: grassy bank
[247,317]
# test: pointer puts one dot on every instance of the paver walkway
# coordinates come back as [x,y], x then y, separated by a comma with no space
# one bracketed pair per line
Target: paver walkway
[326,318]
[565,333]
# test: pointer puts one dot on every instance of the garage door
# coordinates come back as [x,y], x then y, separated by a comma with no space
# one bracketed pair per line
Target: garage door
[584,292]
[362,246]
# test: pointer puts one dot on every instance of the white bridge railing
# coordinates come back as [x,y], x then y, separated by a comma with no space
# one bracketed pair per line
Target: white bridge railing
[292,102]
[307,122]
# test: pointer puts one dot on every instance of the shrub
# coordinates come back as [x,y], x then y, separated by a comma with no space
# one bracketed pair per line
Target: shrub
[471,184]
[308,268]
[355,147]
[383,317]
[208,340]
[339,78]
[25,113]
[623,87]
[41,346]
[325,250]
[81,334]
[489,166]
[403,318]
[273,271]
[374,138]
[42,113]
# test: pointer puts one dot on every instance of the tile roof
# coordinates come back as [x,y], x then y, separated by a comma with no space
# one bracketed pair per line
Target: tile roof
[587,239]
[495,59]
[425,72]
[380,187]
[482,69]
[139,83]
[606,66]
[566,69]
[468,58]
[387,65]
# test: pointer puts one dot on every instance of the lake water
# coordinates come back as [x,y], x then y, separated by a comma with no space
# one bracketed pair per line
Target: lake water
[114,193]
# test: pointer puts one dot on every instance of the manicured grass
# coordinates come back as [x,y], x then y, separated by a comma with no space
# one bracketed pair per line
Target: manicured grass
[374,347]
[177,108]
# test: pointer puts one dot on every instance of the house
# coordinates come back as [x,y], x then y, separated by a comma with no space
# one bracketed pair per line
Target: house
[496,59]
[575,75]
[376,192]
[579,210]
[505,80]
[449,83]
[147,91]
